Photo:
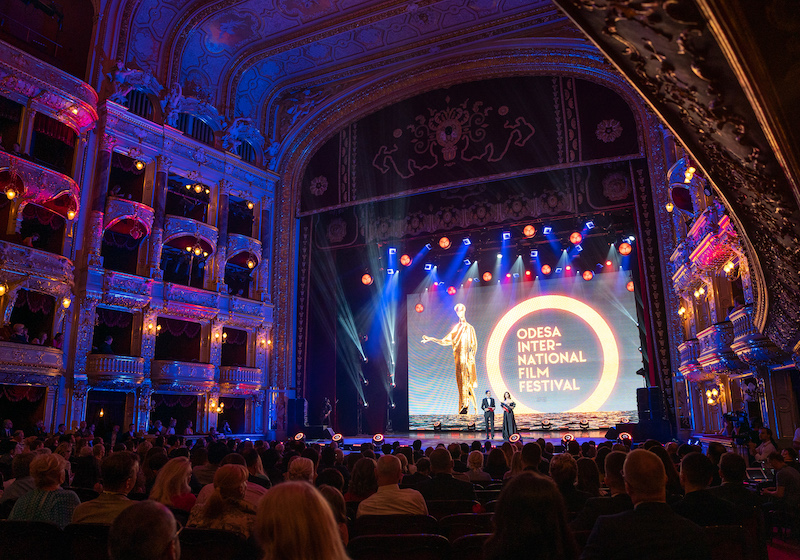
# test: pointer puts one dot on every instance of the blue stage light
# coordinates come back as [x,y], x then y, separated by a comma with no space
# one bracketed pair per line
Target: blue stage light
[534,254]
[516,275]
[578,248]
[590,225]
[547,230]
[466,241]
[467,262]
[499,255]
[506,235]
[390,271]
[558,269]
[392,250]
[428,246]
[428,266]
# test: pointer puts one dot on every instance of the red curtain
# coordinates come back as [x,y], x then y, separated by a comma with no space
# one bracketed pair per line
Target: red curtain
[43,216]
[235,336]
[113,318]
[54,129]
[183,401]
[176,327]
[16,393]
[35,301]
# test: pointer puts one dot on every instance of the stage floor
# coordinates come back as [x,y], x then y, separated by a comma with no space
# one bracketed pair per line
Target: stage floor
[431,439]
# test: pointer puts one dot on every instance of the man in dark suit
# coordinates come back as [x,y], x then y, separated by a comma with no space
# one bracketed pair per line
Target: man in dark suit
[698,503]
[442,485]
[487,405]
[130,434]
[617,502]
[422,474]
[732,471]
[651,530]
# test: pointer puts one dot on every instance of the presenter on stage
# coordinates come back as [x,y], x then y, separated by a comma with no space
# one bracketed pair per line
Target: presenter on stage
[487,405]
[465,345]
[509,423]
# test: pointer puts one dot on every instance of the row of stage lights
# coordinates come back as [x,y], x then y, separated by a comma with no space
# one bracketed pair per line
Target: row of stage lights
[379,439]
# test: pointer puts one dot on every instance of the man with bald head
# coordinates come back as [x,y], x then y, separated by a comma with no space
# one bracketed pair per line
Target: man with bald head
[651,530]
[390,499]
[144,531]
[443,485]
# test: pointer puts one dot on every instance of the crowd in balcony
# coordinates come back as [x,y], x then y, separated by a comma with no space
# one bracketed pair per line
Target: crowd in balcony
[18,333]
[611,500]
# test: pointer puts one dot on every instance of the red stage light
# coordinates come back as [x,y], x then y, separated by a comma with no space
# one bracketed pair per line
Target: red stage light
[527,273]
[568,268]
[451,290]
[529,231]
[546,269]
[609,263]
[444,243]
[508,275]
[588,275]
[630,286]
[366,279]
[419,308]
[487,276]
[625,248]
[405,260]
[575,238]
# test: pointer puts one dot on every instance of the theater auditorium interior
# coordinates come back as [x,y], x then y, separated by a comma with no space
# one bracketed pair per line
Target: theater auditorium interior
[369,221]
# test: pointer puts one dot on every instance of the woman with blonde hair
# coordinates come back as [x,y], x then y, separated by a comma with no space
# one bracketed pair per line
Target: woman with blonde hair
[172,485]
[475,464]
[47,501]
[295,522]
[301,468]
[226,508]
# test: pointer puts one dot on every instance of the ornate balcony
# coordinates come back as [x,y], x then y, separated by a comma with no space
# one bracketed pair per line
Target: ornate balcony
[189,377]
[750,346]
[689,367]
[241,243]
[27,363]
[118,209]
[238,379]
[33,263]
[191,303]
[126,290]
[178,226]
[41,184]
[716,356]
[114,372]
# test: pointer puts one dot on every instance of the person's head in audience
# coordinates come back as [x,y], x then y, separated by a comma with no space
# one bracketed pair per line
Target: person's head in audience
[146,530]
[48,471]
[588,450]
[732,468]
[530,515]
[388,470]
[295,522]
[775,460]
[172,481]
[715,451]
[674,484]
[216,452]
[613,472]
[696,472]
[403,462]
[789,455]
[588,476]
[310,453]
[645,478]
[230,483]
[475,446]
[441,462]
[531,456]
[362,480]
[417,445]
[424,466]
[301,469]
[330,477]
[574,448]
[119,472]
[475,460]
[21,465]
[335,498]
[564,469]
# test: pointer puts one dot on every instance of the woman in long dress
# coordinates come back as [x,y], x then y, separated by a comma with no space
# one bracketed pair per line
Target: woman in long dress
[509,423]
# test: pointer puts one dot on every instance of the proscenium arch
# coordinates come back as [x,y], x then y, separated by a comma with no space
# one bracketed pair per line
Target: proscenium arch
[571,58]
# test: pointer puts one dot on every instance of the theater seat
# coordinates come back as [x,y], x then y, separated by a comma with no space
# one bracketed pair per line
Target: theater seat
[87,541]
[399,547]
[460,524]
[727,542]
[31,539]
[212,544]
[469,547]
[443,508]
[393,525]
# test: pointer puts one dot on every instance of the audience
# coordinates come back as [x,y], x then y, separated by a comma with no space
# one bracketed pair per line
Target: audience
[295,522]
[362,481]
[335,499]
[616,502]
[47,501]
[564,472]
[390,498]
[475,464]
[172,488]
[301,468]
[119,472]
[699,504]
[588,477]
[423,468]
[226,508]
[652,529]
[732,472]
[496,464]
[145,531]
[442,485]
[786,494]
[253,492]
[23,481]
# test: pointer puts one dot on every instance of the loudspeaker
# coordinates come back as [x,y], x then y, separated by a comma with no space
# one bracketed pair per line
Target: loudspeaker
[612,434]
[319,432]
[649,403]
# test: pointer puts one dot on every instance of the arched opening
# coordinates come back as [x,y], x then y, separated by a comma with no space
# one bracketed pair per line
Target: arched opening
[178,340]
[184,261]
[10,116]
[52,144]
[42,228]
[240,216]
[187,198]
[34,310]
[126,179]
[238,273]
[246,151]
[196,128]
[116,324]
[120,246]
[234,347]
[138,103]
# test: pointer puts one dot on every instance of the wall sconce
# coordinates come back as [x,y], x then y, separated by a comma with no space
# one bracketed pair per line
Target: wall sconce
[699,292]
[689,175]
[713,395]
[681,311]
[11,193]
[216,406]
[66,302]
[3,289]
[251,263]
[262,342]
[731,270]
[71,214]
[74,110]
[101,413]
[250,205]
[154,328]
[139,165]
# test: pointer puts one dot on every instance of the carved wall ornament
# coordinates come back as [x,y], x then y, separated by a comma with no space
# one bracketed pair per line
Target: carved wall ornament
[608,130]
[318,185]
[616,186]
[124,80]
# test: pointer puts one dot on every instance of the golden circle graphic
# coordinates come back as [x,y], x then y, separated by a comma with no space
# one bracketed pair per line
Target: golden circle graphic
[560,303]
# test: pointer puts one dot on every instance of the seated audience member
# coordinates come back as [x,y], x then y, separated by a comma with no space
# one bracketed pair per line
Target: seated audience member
[23,481]
[531,457]
[442,485]
[786,494]
[85,469]
[255,468]
[145,531]
[171,487]
[588,477]
[651,530]
[459,466]
[330,477]
[530,521]
[423,472]
[761,452]
[119,472]
[253,492]
[18,334]
[714,452]
[674,486]
[616,502]
[362,481]
[48,501]
[204,474]
[475,464]
[496,464]
[301,469]
[226,508]
[699,504]
[295,522]
[790,457]
[564,472]
[733,471]
[335,499]
[390,499]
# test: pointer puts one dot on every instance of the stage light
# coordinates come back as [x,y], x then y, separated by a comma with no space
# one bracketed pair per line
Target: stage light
[527,273]
[630,285]
[471,426]
[405,260]
[337,438]
[516,275]
[506,235]
[499,255]
[451,290]
[508,275]
[625,437]
[630,239]
[428,266]
[590,224]
[588,275]
[466,241]
[546,424]
[467,262]
[299,436]
[529,231]
[487,276]
[625,249]
[546,269]
[437,426]
[392,250]
[599,267]
[366,279]
[444,242]
[584,425]
[428,246]
[419,308]
[390,271]
[514,438]
[377,438]
[579,248]
[568,268]
[609,263]
[547,230]
[575,238]
[534,254]
[567,438]
[366,404]
[558,270]
[476,279]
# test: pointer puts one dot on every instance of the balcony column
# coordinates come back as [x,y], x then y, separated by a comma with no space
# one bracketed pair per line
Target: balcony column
[263,286]
[159,212]
[211,417]
[51,407]
[149,333]
[220,255]
[77,411]
[215,346]
[143,407]
[99,196]
[26,130]
[85,331]
[256,415]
